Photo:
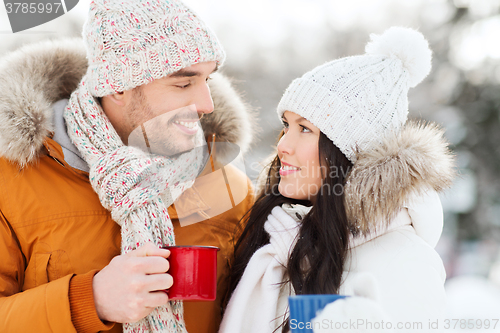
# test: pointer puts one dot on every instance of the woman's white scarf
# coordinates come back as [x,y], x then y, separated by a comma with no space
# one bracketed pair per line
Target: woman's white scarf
[254,302]
[129,183]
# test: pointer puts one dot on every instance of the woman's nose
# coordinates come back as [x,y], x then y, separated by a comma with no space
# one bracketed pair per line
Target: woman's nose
[285,145]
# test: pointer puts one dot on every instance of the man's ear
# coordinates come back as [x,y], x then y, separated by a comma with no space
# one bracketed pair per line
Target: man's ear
[119,98]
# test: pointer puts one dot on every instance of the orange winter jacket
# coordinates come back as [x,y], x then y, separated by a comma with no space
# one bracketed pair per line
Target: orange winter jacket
[54,233]
[53,228]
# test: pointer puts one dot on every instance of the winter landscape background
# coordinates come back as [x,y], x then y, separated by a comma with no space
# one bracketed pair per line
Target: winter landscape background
[271,42]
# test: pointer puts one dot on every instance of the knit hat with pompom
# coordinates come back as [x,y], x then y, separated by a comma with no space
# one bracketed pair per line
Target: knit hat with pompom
[356,101]
[133,42]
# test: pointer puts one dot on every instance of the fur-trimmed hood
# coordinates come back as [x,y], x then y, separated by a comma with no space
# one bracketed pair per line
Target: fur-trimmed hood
[385,178]
[38,75]
[405,167]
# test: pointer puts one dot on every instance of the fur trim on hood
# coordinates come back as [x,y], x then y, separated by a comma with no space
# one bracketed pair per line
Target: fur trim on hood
[384,178]
[31,79]
[38,75]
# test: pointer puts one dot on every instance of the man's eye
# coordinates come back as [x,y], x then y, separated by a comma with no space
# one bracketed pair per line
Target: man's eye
[182,86]
[208,78]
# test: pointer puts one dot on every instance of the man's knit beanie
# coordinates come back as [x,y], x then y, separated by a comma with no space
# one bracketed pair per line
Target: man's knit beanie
[356,101]
[132,42]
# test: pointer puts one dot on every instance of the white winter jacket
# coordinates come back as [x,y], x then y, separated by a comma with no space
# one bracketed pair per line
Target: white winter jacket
[399,272]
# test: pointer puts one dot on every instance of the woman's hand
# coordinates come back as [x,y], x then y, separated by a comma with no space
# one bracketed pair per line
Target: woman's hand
[359,313]
[352,314]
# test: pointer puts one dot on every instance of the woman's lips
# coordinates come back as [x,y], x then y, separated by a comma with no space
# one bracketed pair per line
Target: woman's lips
[287,169]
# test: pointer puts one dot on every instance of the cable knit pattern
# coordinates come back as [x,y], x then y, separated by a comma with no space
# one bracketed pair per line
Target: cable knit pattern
[129,183]
[347,100]
[132,42]
[357,101]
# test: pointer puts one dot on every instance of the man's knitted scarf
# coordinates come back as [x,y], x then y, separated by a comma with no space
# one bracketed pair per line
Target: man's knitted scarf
[129,183]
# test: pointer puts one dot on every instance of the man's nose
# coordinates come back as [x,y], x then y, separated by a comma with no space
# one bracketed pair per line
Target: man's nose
[204,103]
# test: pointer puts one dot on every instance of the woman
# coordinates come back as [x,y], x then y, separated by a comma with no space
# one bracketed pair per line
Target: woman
[350,204]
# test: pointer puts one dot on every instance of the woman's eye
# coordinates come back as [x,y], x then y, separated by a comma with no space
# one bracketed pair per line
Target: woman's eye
[208,78]
[305,129]
[285,124]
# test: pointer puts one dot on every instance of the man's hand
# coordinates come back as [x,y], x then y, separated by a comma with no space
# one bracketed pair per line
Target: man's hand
[132,285]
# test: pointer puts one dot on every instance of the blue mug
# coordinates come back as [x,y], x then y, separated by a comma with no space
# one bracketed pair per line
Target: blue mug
[303,308]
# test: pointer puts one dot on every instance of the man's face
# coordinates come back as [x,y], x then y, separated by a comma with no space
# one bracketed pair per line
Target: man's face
[164,112]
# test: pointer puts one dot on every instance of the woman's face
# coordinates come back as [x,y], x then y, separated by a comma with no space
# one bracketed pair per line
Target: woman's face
[298,152]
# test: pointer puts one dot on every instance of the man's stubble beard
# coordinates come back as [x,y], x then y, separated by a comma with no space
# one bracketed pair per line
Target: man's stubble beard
[159,130]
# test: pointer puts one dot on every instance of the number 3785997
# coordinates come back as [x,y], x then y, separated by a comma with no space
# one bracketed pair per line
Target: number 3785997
[25,7]
[471,324]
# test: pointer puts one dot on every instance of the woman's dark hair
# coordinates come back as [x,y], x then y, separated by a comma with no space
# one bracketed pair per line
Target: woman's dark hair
[324,234]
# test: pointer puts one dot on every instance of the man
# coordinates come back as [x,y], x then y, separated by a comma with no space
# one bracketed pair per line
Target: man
[61,268]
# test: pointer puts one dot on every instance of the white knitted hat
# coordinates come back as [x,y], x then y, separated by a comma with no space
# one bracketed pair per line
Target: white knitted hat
[133,42]
[356,100]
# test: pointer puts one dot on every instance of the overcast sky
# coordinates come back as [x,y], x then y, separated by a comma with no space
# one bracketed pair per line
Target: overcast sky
[243,24]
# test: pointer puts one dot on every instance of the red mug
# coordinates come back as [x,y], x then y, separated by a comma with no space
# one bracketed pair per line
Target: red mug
[194,270]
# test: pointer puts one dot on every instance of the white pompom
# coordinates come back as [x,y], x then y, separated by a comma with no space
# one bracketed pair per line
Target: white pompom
[409,45]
